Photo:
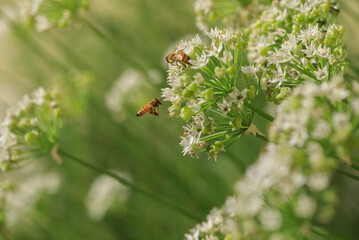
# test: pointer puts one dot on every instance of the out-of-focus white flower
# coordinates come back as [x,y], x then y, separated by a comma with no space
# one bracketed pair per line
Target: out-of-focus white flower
[104,193]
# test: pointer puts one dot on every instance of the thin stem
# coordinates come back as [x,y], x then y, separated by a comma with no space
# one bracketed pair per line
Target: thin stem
[355,166]
[260,112]
[131,185]
[264,138]
[350,175]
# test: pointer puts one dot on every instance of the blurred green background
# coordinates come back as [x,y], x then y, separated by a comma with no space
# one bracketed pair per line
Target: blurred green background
[85,69]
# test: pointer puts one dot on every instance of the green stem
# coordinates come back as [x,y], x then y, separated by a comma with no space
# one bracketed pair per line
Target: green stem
[355,166]
[350,175]
[131,185]
[264,138]
[260,112]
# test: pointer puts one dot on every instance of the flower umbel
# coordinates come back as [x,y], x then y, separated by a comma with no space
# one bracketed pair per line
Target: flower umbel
[211,94]
[30,130]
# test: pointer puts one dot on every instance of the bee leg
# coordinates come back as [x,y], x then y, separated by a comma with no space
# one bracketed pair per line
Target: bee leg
[154,113]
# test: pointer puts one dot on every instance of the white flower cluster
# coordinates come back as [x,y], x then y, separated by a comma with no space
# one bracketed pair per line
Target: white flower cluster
[281,18]
[205,92]
[232,14]
[29,130]
[288,190]
[310,55]
[47,14]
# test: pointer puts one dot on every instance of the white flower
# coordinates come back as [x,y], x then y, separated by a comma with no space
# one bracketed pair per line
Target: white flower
[203,5]
[321,73]
[220,34]
[322,52]
[289,3]
[291,44]
[200,61]
[42,23]
[322,130]
[196,41]
[104,192]
[193,235]
[249,70]
[39,96]
[298,136]
[310,50]
[227,57]
[215,49]
[279,56]
[237,96]
[305,206]
[271,219]
[190,142]
[304,8]
[224,107]
[318,181]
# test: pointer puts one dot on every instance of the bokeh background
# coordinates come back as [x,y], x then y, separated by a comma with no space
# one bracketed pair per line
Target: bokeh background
[103,86]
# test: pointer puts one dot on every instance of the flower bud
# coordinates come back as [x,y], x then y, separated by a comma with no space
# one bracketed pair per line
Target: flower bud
[186,113]
[31,136]
[187,93]
[237,123]
[207,94]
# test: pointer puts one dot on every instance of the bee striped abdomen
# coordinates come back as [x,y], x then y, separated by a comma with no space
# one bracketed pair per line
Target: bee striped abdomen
[145,109]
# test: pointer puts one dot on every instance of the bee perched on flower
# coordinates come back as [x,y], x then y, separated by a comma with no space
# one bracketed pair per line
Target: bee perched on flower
[212,94]
[30,130]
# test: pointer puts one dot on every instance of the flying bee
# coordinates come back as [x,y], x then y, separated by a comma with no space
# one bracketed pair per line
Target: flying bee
[150,107]
[178,57]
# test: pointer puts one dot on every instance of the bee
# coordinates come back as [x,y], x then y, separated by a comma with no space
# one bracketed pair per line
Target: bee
[178,57]
[150,107]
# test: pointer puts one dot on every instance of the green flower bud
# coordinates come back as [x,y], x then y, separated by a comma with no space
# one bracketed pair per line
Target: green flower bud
[31,136]
[295,29]
[299,18]
[211,153]
[237,123]
[187,93]
[217,147]
[186,113]
[339,51]
[205,130]
[185,78]
[228,237]
[192,87]
[207,94]
[283,94]
[315,12]
[309,17]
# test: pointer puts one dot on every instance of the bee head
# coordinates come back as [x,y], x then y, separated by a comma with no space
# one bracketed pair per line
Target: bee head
[158,101]
[170,57]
